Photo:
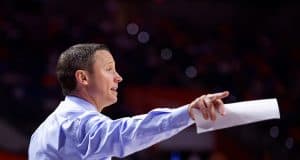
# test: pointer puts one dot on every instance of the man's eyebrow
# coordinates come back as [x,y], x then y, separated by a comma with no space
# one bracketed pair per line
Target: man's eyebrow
[110,62]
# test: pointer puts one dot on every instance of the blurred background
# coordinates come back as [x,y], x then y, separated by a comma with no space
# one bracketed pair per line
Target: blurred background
[168,52]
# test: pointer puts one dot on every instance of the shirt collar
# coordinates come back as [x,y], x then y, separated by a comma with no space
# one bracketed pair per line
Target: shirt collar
[81,102]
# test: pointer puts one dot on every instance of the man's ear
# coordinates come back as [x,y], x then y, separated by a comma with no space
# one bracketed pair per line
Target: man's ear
[81,77]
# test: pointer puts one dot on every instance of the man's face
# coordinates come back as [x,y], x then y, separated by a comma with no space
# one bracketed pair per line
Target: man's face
[103,82]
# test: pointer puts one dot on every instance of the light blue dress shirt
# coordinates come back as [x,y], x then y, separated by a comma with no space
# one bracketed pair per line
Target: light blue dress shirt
[76,130]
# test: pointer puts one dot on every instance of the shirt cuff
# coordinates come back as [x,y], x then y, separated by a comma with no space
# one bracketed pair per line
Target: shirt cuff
[182,116]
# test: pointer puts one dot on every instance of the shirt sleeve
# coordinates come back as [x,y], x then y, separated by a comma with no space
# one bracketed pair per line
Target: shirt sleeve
[99,136]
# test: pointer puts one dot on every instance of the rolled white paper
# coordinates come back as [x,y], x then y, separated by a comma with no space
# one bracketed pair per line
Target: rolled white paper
[239,113]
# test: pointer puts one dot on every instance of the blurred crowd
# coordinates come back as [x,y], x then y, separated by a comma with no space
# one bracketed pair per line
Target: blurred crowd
[251,49]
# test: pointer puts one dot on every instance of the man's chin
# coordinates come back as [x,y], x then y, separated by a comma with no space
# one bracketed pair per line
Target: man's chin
[113,101]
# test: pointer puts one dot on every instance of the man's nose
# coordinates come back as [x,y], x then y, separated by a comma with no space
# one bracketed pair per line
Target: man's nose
[118,78]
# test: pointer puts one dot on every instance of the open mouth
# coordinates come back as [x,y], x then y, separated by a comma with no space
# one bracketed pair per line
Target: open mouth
[114,89]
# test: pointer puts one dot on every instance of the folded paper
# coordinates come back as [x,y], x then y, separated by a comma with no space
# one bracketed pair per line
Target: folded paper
[239,113]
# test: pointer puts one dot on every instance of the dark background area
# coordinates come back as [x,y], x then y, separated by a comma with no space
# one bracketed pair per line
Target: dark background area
[250,48]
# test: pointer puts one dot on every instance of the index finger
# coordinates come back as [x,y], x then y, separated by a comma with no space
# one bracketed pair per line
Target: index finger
[219,95]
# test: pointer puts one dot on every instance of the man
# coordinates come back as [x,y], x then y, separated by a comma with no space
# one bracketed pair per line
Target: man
[77,129]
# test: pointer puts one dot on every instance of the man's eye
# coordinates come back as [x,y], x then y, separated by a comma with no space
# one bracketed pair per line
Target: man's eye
[109,69]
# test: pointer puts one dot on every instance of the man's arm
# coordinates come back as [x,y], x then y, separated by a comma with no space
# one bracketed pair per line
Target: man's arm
[105,138]
[102,137]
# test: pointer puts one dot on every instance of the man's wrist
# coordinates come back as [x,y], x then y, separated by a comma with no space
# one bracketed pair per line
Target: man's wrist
[190,111]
